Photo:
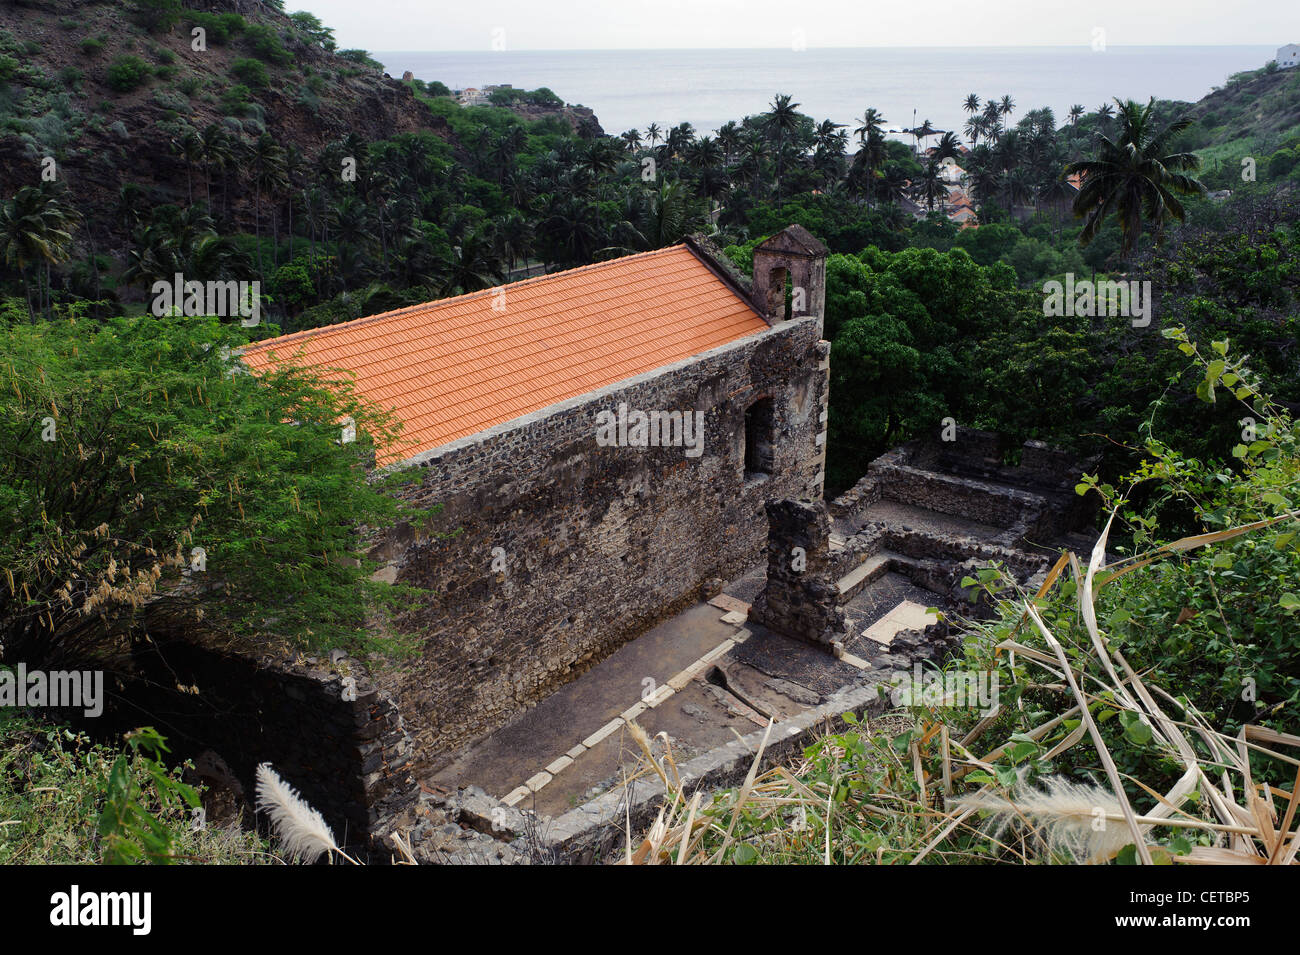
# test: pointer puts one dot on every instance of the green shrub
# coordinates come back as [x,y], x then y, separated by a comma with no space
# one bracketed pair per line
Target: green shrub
[157,14]
[127,73]
[71,77]
[265,44]
[361,57]
[250,72]
[91,45]
[189,85]
[173,100]
[9,68]
[67,800]
[218,27]
[235,100]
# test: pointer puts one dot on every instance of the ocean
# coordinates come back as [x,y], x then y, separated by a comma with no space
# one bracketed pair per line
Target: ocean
[633,88]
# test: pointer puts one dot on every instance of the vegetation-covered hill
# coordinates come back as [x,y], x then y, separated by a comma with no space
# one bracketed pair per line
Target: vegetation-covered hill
[110,91]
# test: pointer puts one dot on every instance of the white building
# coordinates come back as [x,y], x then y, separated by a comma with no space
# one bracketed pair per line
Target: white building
[1289,55]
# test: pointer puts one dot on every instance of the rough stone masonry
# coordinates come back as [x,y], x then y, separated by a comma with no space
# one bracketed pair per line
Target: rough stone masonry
[551,551]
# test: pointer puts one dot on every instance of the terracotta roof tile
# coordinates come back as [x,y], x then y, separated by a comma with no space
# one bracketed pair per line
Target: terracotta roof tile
[454,367]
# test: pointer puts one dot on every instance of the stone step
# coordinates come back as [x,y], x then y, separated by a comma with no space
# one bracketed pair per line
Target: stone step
[906,615]
[852,583]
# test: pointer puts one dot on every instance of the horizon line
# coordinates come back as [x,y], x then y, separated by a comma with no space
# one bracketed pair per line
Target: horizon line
[1082,47]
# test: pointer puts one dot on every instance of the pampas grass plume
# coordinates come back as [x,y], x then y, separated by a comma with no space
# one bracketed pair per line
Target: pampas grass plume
[1065,814]
[302,829]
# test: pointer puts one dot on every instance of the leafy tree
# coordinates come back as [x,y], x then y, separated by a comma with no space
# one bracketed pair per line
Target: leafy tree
[129,445]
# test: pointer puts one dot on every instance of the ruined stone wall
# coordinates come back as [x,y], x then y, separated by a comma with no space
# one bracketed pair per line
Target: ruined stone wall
[343,746]
[799,598]
[961,497]
[596,544]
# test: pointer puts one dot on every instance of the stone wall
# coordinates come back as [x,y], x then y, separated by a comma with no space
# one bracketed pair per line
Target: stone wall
[966,478]
[349,758]
[799,598]
[551,551]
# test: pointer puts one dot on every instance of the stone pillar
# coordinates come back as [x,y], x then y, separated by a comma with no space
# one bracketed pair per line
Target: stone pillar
[800,598]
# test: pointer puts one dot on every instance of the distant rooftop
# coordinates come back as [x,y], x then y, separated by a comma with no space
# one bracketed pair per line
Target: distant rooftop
[454,367]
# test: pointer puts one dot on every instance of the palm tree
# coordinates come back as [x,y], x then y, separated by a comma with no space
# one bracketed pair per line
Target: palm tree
[932,185]
[266,162]
[218,153]
[704,153]
[679,137]
[781,120]
[870,126]
[971,104]
[925,130]
[949,147]
[665,218]
[1105,112]
[1075,112]
[992,119]
[1133,179]
[871,134]
[190,148]
[633,139]
[729,140]
[35,229]
[1007,105]
[654,134]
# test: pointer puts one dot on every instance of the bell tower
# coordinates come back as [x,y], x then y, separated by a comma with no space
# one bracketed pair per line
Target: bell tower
[790,277]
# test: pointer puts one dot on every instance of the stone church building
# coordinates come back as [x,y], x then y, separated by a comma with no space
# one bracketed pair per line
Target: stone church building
[601,441]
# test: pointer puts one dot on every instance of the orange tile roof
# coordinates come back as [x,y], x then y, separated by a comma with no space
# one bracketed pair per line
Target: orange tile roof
[452,368]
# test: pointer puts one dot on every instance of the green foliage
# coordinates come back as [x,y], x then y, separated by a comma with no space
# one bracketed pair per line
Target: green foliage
[127,73]
[901,325]
[360,57]
[71,77]
[236,100]
[56,788]
[311,27]
[251,73]
[189,452]
[91,45]
[157,15]
[219,28]
[265,43]
[129,831]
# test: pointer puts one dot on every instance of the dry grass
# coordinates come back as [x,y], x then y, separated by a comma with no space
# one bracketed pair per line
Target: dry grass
[1237,820]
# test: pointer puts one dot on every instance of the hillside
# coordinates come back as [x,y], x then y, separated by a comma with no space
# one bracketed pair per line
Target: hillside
[111,93]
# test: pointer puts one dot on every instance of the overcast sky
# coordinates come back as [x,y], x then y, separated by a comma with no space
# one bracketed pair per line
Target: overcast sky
[711,24]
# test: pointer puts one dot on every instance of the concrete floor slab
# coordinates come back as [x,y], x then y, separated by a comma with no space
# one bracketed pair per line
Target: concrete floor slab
[502,761]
